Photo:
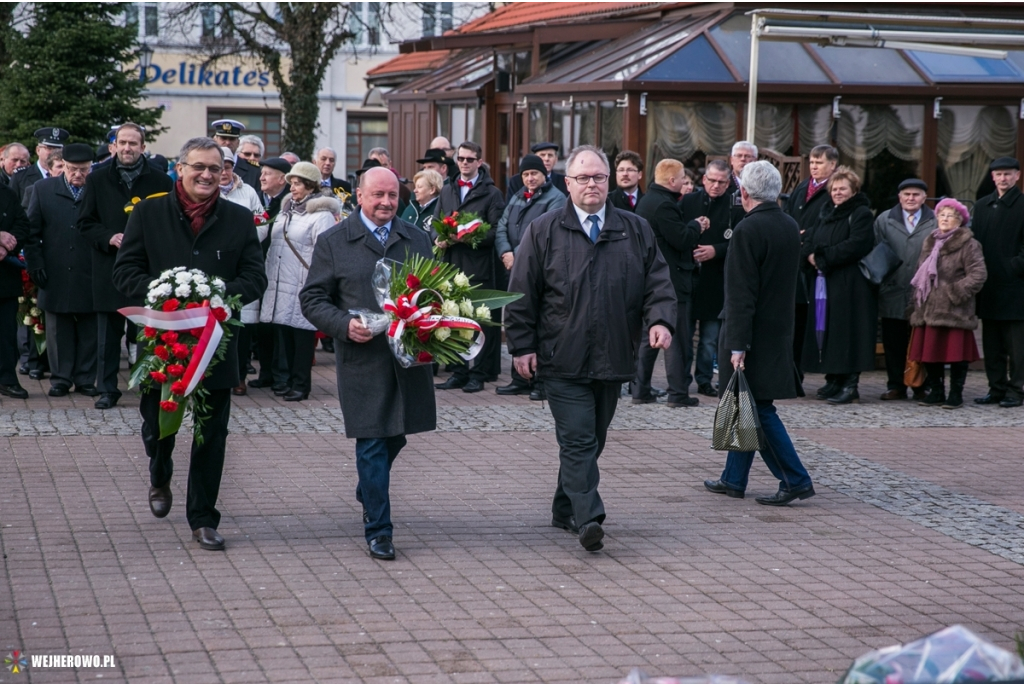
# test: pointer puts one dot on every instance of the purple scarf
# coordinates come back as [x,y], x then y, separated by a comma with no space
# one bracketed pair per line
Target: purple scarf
[927,275]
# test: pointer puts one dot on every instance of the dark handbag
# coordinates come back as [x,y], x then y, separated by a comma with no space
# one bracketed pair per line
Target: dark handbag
[737,427]
[879,264]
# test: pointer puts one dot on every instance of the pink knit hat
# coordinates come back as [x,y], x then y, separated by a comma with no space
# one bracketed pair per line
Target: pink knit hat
[955,204]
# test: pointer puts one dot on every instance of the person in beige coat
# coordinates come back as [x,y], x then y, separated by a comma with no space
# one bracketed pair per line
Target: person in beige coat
[950,273]
[304,215]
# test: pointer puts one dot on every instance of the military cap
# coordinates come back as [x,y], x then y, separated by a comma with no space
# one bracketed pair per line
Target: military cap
[51,137]
[537,147]
[227,128]
[1004,163]
[278,163]
[78,152]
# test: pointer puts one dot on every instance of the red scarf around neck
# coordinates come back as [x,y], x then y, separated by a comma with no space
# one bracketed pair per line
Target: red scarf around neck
[195,211]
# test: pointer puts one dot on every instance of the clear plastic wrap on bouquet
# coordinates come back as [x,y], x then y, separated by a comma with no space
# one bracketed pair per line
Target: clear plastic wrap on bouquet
[952,655]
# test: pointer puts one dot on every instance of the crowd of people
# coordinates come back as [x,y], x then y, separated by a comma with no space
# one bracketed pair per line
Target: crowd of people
[709,267]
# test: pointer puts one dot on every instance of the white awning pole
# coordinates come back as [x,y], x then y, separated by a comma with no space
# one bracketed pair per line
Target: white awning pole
[755,31]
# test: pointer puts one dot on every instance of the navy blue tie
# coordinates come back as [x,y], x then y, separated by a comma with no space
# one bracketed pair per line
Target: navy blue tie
[594,230]
[382,234]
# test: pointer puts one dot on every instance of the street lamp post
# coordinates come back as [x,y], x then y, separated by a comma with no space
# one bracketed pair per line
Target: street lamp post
[145,60]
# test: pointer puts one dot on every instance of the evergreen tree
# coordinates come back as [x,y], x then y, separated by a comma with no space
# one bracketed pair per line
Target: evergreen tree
[73,69]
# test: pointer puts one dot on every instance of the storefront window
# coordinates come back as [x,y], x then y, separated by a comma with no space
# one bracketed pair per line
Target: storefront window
[363,134]
[774,128]
[689,131]
[444,121]
[611,129]
[584,124]
[540,117]
[458,124]
[561,126]
[970,137]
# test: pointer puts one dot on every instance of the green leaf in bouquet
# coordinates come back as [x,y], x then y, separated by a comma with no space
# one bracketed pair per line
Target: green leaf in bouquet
[170,421]
[493,299]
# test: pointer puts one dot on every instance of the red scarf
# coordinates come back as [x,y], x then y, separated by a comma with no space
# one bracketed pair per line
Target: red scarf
[195,211]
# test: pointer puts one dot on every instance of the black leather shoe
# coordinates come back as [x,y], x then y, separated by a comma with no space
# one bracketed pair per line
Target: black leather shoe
[847,395]
[250,369]
[453,383]
[991,398]
[683,402]
[1009,402]
[296,396]
[512,389]
[591,535]
[209,538]
[160,500]
[538,395]
[720,488]
[658,392]
[106,401]
[87,390]
[569,525]
[893,395]
[830,389]
[281,390]
[473,386]
[36,375]
[382,548]
[260,383]
[707,389]
[15,391]
[23,369]
[328,345]
[58,391]
[644,400]
[783,497]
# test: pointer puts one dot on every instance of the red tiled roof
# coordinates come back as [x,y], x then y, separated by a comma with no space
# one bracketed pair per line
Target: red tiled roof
[515,14]
[410,62]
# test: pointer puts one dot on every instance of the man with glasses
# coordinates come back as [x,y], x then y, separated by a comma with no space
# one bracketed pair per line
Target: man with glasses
[629,169]
[474,192]
[592,278]
[105,207]
[228,133]
[247,163]
[743,153]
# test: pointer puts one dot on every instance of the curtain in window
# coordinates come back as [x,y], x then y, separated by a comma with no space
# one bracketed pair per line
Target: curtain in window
[679,130]
[970,137]
[774,127]
[865,131]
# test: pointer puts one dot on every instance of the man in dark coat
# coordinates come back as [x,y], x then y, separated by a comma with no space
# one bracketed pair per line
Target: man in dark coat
[549,153]
[592,278]
[714,213]
[629,169]
[757,329]
[192,227]
[102,217]
[381,401]
[14,229]
[998,225]
[51,139]
[13,159]
[59,260]
[474,192]
[660,208]
[326,159]
[805,204]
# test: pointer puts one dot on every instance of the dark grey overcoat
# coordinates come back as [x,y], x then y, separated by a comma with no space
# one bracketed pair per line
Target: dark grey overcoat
[895,292]
[58,247]
[761,270]
[379,398]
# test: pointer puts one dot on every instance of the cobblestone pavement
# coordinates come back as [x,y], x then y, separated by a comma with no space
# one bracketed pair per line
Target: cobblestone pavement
[918,524]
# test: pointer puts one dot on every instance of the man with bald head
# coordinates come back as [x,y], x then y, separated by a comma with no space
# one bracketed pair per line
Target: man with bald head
[381,401]
[325,160]
[442,143]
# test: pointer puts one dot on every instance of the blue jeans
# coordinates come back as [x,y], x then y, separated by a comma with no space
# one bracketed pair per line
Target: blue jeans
[782,459]
[707,348]
[374,457]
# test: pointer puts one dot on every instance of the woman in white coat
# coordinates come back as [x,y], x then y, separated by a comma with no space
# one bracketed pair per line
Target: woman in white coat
[304,215]
[234,189]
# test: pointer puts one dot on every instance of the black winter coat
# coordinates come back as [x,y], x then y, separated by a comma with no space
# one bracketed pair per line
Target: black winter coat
[484,200]
[249,173]
[806,212]
[57,246]
[101,215]
[708,291]
[158,237]
[675,237]
[998,225]
[28,176]
[618,199]
[843,236]
[585,304]
[13,221]
[760,282]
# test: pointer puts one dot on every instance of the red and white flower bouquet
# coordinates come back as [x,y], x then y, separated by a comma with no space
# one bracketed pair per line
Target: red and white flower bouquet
[460,227]
[186,328]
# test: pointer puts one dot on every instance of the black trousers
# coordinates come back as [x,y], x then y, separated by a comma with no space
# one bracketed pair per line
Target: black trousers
[895,338]
[71,348]
[110,328]
[9,353]
[582,410]
[244,333]
[272,364]
[207,460]
[1002,343]
[485,365]
[799,331]
[297,350]
[678,358]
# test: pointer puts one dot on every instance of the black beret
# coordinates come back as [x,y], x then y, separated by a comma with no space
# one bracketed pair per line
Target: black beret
[914,183]
[279,163]
[1004,163]
[537,147]
[532,163]
[78,152]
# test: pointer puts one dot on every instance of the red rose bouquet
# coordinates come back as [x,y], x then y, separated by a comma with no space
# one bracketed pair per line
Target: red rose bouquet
[186,328]
[29,312]
[460,227]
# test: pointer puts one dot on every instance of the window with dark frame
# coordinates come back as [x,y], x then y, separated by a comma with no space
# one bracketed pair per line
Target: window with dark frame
[265,123]
[152,17]
[363,133]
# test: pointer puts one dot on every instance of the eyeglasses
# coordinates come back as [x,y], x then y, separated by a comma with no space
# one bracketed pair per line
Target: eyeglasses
[202,168]
[628,170]
[466,159]
[249,155]
[585,180]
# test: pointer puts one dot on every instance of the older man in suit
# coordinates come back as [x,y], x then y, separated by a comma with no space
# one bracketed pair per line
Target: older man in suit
[381,401]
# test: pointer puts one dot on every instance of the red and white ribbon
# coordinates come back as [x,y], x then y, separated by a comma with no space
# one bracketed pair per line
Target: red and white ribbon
[184,320]
[465,229]
[408,314]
